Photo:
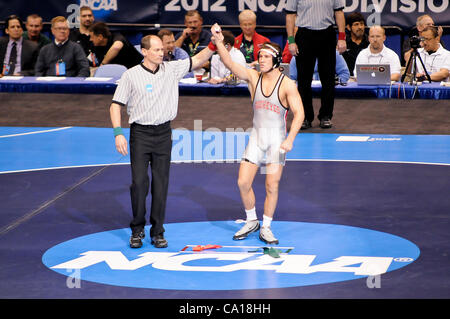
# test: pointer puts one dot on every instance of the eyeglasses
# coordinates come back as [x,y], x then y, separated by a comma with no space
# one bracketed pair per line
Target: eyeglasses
[61,29]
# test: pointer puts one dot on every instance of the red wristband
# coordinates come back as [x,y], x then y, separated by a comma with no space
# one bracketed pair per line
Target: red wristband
[341,36]
[212,47]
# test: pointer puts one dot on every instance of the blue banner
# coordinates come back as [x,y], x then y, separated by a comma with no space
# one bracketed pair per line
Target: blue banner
[402,13]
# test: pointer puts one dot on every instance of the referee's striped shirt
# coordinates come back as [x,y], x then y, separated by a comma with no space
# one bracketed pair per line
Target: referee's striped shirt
[151,97]
[314,14]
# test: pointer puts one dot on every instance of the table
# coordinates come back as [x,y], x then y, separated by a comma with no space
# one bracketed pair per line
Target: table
[108,85]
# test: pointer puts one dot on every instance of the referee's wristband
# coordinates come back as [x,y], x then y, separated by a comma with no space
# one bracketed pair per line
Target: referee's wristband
[341,36]
[291,40]
[212,47]
[118,131]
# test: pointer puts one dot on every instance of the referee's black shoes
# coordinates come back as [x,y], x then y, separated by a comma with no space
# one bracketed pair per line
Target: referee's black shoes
[159,241]
[326,123]
[136,238]
[306,125]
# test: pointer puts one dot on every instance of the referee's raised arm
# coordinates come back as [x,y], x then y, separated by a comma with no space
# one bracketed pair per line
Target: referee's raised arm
[204,55]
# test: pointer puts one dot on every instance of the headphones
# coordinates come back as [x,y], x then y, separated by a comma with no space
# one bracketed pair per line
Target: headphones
[276,55]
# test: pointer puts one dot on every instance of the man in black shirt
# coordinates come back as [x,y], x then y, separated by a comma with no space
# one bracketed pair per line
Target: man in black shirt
[81,35]
[193,38]
[113,48]
[357,41]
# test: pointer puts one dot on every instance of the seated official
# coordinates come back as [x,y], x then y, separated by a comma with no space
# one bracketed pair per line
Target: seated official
[342,72]
[357,41]
[378,53]
[219,72]
[249,41]
[435,58]
[34,31]
[113,48]
[17,55]
[62,57]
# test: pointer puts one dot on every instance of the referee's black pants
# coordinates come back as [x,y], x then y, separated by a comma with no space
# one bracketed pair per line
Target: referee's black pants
[320,45]
[150,144]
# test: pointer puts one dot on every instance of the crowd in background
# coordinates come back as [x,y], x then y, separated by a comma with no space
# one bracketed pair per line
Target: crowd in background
[79,52]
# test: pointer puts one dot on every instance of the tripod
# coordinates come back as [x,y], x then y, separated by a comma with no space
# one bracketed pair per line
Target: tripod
[412,61]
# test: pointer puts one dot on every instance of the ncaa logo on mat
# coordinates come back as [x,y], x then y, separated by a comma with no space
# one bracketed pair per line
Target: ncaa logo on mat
[203,256]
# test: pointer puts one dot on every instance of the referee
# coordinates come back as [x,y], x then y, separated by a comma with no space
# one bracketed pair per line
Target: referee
[150,92]
[316,39]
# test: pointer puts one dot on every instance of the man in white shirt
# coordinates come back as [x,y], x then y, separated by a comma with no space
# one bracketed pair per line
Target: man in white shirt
[219,72]
[435,58]
[378,53]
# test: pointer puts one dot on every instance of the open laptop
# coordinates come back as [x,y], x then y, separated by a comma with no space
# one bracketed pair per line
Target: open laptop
[373,74]
[284,68]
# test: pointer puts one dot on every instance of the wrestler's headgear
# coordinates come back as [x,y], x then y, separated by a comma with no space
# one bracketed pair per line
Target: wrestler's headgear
[276,54]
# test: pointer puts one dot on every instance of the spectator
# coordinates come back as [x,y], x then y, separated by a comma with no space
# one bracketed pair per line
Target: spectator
[113,48]
[435,58]
[62,57]
[193,38]
[421,23]
[18,55]
[34,28]
[378,53]
[81,35]
[357,41]
[219,72]
[342,71]
[171,52]
[249,41]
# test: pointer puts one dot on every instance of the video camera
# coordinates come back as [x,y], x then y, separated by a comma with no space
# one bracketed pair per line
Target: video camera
[414,41]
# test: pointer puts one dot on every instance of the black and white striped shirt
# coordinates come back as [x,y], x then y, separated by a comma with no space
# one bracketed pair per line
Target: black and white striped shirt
[314,14]
[151,97]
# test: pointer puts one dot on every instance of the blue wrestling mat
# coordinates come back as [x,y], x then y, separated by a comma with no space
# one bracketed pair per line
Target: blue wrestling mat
[359,216]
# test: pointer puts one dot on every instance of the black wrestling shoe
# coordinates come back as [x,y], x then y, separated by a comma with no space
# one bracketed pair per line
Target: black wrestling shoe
[326,123]
[136,239]
[306,125]
[159,241]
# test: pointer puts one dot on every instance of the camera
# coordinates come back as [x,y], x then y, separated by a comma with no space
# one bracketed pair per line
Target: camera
[414,41]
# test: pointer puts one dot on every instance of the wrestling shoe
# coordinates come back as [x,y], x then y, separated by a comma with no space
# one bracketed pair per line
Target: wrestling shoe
[326,123]
[159,241]
[136,238]
[249,227]
[306,125]
[266,235]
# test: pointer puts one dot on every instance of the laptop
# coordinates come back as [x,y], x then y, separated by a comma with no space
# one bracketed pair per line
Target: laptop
[373,74]
[284,68]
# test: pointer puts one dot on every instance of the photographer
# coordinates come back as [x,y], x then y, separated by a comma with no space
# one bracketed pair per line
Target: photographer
[435,58]
[422,22]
